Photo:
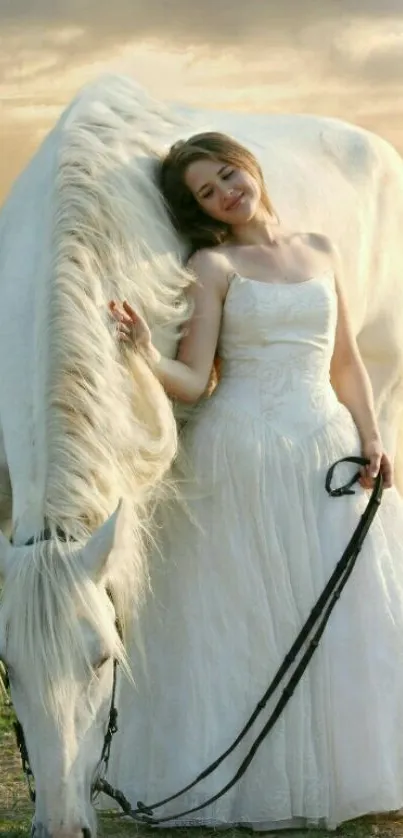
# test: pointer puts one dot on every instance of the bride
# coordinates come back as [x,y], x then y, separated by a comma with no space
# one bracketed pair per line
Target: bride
[242,557]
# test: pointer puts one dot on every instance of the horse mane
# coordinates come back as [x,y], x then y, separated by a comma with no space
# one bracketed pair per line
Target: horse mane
[111,237]
[108,429]
[103,427]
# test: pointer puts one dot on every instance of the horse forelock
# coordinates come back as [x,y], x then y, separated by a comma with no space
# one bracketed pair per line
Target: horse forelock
[45,603]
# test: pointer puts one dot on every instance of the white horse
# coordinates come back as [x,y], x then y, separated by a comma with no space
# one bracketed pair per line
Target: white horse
[83,425]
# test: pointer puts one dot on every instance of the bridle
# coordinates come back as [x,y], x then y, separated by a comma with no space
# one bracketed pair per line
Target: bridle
[111,729]
[20,739]
[103,763]
[304,645]
[102,767]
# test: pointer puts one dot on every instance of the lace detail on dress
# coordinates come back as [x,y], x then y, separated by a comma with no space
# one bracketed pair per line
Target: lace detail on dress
[279,338]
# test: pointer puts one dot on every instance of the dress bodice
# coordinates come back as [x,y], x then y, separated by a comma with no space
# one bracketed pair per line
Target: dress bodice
[276,344]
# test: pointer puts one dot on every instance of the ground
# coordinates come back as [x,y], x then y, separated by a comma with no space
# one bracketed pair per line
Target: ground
[16,810]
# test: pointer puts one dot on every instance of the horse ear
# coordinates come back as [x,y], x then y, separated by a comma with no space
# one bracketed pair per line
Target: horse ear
[4,554]
[107,538]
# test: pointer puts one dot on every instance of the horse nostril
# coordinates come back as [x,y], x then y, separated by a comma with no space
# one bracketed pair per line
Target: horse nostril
[86,833]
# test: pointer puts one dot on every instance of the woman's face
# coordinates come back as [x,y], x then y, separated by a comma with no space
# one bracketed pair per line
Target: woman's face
[224,192]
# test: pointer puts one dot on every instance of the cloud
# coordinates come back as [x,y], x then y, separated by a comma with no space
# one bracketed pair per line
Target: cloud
[45,38]
[384,65]
[193,21]
[337,57]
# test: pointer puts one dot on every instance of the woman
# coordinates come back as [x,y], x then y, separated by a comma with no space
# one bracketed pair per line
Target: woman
[248,555]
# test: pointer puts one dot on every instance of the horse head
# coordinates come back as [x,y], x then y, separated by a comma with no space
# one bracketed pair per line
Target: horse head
[60,642]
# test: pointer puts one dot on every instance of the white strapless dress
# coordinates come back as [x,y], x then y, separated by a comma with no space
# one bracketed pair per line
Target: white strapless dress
[236,576]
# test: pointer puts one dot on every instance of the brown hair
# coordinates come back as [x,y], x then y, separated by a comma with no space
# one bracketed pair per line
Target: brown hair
[190,220]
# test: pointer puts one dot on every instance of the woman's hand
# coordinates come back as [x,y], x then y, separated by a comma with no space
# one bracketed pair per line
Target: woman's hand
[132,328]
[378,461]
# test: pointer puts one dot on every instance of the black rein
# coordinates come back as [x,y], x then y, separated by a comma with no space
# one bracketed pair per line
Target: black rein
[318,618]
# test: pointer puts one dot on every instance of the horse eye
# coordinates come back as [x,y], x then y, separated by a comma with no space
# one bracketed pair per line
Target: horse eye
[102,661]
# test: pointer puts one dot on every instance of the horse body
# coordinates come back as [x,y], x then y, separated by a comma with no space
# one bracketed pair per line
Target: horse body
[24,245]
[82,424]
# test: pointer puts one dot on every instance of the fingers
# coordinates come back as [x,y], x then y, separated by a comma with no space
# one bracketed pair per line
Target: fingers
[130,311]
[366,482]
[369,473]
[124,326]
[131,326]
[120,316]
[374,465]
[125,313]
[114,310]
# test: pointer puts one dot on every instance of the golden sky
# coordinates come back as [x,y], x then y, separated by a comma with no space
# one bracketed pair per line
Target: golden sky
[336,57]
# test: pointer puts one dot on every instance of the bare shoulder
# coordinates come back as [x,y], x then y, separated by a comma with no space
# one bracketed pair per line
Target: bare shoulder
[207,259]
[322,247]
[318,242]
[211,267]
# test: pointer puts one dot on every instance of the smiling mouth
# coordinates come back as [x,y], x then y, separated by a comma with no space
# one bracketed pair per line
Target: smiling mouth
[235,202]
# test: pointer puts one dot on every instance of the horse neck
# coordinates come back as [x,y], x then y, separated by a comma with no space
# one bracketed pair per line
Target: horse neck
[19,408]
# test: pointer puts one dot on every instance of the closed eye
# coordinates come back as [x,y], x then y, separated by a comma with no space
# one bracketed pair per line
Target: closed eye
[226,176]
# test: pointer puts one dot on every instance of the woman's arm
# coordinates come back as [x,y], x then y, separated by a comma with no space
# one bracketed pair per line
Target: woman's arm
[186,378]
[353,388]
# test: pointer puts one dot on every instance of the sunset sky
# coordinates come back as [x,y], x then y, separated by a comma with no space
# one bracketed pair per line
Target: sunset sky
[337,57]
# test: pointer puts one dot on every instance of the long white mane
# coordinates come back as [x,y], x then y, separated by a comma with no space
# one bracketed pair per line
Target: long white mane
[107,431]
[104,426]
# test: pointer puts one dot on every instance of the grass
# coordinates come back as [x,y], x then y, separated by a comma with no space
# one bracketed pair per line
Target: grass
[16,810]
